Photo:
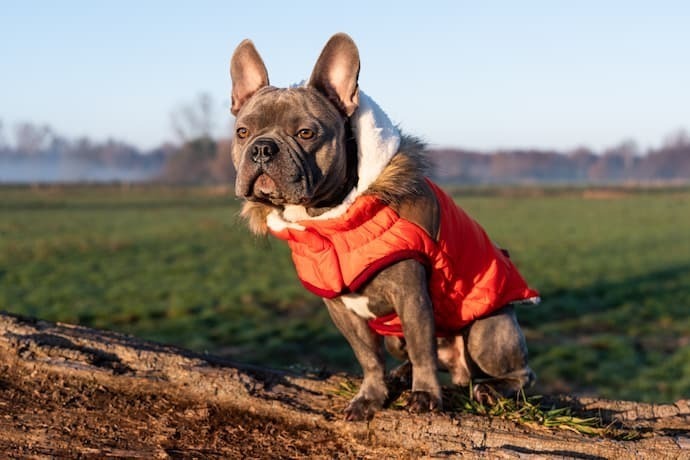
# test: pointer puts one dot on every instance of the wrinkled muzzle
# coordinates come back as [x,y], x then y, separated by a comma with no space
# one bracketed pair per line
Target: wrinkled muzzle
[269,173]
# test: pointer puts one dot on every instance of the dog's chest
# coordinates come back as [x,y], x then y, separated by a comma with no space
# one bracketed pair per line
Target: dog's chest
[358,304]
[378,296]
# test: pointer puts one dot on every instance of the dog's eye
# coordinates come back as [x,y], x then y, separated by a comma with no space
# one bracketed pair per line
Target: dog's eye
[305,134]
[242,133]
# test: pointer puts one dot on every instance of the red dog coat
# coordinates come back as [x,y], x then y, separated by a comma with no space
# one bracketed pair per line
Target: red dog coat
[469,277]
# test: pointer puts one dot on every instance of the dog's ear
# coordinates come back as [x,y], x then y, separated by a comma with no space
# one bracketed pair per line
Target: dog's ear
[336,71]
[248,74]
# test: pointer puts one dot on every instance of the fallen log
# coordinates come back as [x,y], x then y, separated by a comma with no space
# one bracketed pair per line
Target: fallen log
[72,391]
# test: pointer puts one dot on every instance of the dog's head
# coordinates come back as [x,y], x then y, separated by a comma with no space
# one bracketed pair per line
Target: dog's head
[290,144]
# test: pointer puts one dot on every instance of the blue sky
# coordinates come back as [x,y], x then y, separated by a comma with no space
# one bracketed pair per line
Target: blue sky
[481,75]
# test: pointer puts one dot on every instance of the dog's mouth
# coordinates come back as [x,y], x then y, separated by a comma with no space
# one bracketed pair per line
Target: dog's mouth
[264,188]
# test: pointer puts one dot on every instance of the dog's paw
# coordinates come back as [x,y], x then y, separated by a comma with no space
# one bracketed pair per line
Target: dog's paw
[361,408]
[423,401]
[485,394]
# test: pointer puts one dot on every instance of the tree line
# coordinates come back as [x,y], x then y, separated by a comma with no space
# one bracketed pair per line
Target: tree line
[35,153]
[39,154]
[622,163]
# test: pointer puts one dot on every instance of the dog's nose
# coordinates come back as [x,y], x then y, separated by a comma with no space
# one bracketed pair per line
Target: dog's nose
[264,150]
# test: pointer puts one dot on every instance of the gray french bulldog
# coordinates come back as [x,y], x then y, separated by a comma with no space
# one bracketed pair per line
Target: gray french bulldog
[321,166]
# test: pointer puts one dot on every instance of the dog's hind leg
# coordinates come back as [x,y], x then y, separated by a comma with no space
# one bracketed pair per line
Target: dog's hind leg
[496,346]
[452,356]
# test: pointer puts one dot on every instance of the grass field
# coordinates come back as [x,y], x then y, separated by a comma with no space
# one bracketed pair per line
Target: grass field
[177,265]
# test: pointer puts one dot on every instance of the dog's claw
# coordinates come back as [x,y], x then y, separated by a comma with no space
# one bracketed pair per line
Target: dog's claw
[485,394]
[361,409]
[422,401]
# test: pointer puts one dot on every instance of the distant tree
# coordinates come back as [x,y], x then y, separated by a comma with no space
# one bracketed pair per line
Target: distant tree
[617,163]
[677,139]
[195,120]
[627,147]
[221,167]
[200,158]
[670,162]
[3,140]
[581,160]
[191,163]
[59,145]
[630,152]
[31,139]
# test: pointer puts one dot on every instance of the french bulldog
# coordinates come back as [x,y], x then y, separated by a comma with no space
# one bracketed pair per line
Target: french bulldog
[321,166]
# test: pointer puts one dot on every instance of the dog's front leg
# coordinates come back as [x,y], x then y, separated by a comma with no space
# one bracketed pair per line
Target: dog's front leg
[416,313]
[369,352]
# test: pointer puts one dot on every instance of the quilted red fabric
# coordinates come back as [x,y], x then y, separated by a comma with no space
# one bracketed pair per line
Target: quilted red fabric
[469,277]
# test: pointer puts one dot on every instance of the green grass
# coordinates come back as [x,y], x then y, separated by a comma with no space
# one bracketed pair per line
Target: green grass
[531,411]
[534,412]
[178,266]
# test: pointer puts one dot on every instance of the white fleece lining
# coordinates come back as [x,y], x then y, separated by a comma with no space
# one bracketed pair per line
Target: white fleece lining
[377,140]
[527,301]
[276,223]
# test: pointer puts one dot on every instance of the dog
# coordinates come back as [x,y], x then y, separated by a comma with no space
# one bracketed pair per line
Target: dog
[398,264]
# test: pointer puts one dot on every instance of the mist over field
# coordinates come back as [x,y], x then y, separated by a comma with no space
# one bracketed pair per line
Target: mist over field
[51,170]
